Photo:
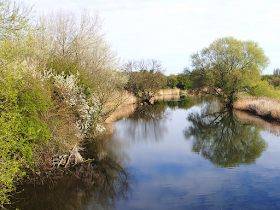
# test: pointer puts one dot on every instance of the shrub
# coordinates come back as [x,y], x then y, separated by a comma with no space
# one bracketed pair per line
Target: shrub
[262,88]
[22,102]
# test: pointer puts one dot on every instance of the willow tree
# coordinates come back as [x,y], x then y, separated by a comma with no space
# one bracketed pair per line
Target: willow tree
[229,65]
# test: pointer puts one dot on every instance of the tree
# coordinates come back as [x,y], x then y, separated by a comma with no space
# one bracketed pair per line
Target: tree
[145,78]
[77,44]
[276,72]
[183,81]
[228,65]
[14,18]
[172,81]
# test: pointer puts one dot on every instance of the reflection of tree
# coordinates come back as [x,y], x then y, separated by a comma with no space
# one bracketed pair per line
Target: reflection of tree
[93,185]
[272,127]
[221,138]
[147,122]
[186,103]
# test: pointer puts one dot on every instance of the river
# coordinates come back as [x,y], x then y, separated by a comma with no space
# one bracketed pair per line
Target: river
[188,154]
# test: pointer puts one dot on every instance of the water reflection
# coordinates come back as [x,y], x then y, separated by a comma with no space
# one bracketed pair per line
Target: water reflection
[169,174]
[221,138]
[147,123]
[272,127]
[93,185]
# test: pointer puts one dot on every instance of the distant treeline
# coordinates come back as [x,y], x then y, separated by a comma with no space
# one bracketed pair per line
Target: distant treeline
[274,79]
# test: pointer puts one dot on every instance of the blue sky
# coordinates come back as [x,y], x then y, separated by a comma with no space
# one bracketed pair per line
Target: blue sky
[170,30]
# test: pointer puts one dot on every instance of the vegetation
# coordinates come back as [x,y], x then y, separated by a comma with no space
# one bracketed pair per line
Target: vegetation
[262,106]
[59,81]
[229,65]
[145,78]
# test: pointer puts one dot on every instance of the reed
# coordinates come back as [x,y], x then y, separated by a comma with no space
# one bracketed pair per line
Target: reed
[174,91]
[262,106]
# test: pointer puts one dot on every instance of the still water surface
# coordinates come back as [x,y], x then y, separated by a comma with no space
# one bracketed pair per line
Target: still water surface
[175,155]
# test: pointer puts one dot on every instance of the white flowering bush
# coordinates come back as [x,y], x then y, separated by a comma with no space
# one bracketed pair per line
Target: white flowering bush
[87,107]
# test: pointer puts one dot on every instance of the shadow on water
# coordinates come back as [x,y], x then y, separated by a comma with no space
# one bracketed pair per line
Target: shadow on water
[94,185]
[219,136]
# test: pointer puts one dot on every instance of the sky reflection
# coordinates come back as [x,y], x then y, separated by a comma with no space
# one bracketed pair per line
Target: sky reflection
[170,174]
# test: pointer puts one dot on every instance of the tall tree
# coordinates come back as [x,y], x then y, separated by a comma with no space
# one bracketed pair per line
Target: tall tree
[228,65]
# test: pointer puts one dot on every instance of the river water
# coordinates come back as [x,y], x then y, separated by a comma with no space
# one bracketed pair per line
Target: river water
[187,154]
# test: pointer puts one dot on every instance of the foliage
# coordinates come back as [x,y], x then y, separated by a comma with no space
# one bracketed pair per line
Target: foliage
[183,81]
[267,77]
[78,47]
[23,102]
[14,19]
[48,96]
[262,88]
[228,65]
[198,79]
[172,81]
[145,78]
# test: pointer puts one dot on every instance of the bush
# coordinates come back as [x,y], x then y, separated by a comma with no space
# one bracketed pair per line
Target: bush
[22,103]
[262,88]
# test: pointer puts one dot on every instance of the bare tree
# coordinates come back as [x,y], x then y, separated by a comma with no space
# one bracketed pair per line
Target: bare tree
[81,40]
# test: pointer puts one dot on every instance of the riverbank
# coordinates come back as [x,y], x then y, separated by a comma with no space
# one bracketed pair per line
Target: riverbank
[130,103]
[263,106]
[173,91]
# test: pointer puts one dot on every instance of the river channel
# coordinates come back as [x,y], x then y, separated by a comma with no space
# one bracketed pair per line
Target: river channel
[178,154]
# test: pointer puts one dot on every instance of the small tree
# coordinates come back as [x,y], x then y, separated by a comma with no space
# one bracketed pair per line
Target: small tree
[145,78]
[228,65]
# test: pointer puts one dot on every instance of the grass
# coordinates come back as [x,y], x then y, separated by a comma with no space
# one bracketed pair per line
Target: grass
[262,106]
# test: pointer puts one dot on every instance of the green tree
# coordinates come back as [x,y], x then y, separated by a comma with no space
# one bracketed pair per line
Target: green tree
[145,78]
[183,81]
[228,65]
[172,81]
